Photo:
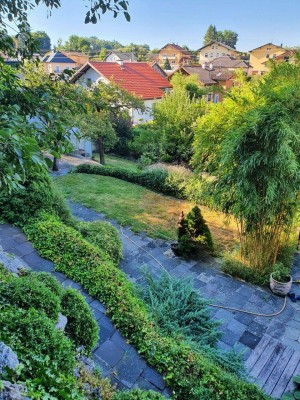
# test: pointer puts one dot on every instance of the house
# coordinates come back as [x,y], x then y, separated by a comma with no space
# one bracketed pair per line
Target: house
[227,62]
[260,55]
[207,78]
[56,62]
[119,56]
[287,56]
[214,50]
[77,56]
[177,55]
[137,78]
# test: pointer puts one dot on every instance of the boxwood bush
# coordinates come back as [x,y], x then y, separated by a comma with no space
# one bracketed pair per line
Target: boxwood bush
[81,327]
[32,335]
[138,394]
[103,235]
[27,293]
[191,375]
[39,193]
[48,280]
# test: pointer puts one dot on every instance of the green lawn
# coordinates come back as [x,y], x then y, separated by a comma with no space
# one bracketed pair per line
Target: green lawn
[138,207]
[119,162]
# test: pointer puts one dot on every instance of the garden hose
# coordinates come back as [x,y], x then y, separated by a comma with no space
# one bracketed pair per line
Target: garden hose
[211,305]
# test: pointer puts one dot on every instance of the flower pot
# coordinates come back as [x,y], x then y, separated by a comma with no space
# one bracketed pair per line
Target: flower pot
[280,288]
[175,249]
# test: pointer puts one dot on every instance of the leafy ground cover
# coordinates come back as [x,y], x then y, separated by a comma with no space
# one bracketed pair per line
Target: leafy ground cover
[134,205]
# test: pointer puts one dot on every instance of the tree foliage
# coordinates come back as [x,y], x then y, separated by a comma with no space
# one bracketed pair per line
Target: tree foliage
[167,65]
[174,116]
[227,36]
[255,158]
[43,41]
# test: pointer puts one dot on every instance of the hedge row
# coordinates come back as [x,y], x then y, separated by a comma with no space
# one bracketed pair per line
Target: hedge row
[155,179]
[191,375]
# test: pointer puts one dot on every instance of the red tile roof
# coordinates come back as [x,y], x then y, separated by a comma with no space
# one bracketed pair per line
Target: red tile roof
[136,77]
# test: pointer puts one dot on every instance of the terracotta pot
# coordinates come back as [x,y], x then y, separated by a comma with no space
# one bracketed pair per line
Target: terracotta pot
[280,288]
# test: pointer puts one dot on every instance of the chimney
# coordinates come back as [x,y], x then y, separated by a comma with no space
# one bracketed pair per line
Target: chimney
[120,62]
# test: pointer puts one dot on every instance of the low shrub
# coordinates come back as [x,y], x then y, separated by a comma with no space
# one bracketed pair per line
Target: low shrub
[295,395]
[180,312]
[81,327]
[191,375]
[138,394]
[178,309]
[48,280]
[105,236]
[26,293]
[39,193]
[33,336]
[232,265]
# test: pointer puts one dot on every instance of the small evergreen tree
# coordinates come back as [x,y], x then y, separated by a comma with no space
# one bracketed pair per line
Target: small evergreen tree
[167,65]
[198,229]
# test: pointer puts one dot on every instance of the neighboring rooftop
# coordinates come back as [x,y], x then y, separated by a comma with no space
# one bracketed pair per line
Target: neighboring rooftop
[220,44]
[123,56]
[266,44]
[203,75]
[136,77]
[58,57]
[177,47]
[228,62]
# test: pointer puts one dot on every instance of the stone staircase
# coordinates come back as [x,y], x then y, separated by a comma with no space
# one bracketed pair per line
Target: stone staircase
[272,366]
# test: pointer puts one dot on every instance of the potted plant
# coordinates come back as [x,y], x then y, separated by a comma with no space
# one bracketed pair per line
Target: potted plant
[280,280]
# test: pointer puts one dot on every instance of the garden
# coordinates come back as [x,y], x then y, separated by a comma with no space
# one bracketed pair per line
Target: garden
[232,168]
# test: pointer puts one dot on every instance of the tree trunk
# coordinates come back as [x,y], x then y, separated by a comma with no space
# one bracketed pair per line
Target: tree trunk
[55,166]
[101,151]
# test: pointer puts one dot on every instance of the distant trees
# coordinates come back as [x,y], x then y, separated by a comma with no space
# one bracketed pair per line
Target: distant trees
[43,41]
[227,36]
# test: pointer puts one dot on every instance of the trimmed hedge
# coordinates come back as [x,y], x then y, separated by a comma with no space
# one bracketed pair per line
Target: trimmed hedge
[138,394]
[156,179]
[33,336]
[191,375]
[81,327]
[26,293]
[103,235]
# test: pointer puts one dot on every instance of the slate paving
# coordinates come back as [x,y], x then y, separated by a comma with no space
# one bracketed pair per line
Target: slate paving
[118,360]
[240,331]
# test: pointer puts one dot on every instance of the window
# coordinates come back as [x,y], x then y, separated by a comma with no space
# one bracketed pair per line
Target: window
[164,56]
[212,47]
[267,55]
[269,48]
[172,62]
[174,55]
[211,54]
[217,55]
[206,55]
[223,54]
[57,69]
[274,56]
[216,47]
[209,96]
[217,97]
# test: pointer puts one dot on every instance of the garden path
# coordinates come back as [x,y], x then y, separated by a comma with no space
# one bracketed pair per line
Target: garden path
[271,345]
[118,360]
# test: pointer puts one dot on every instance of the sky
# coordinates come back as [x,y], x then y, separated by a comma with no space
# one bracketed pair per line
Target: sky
[158,22]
